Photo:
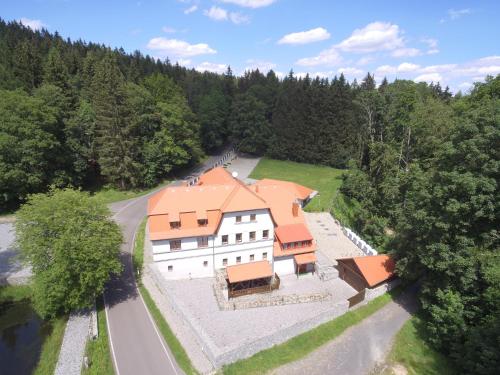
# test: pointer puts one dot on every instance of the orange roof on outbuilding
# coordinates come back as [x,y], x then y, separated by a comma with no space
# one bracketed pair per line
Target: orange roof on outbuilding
[375,269]
[249,271]
[293,233]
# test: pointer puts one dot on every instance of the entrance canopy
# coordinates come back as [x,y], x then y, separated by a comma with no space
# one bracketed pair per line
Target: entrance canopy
[305,258]
[249,271]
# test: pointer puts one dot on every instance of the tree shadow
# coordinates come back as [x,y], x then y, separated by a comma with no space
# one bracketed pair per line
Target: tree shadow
[122,287]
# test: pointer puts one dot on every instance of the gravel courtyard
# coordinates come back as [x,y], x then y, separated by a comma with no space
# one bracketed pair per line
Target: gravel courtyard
[226,331]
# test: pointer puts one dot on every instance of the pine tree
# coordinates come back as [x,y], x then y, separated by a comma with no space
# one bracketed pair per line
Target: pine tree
[116,146]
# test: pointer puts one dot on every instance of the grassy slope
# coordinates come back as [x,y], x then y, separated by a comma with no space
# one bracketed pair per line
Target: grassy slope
[173,343]
[303,344]
[325,180]
[411,350]
[98,350]
[52,344]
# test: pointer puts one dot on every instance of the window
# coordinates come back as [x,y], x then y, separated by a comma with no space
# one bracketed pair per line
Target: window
[170,268]
[252,236]
[205,263]
[265,234]
[238,237]
[252,257]
[225,239]
[238,259]
[175,245]
[202,222]
[202,241]
[264,255]
[224,262]
[253,217]
[175,224]
[238,219]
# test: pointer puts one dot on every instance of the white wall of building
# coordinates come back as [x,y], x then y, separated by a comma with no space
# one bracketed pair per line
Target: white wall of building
[284,265]
[194,262]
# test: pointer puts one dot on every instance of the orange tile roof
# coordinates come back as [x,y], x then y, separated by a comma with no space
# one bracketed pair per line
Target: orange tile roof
[278,250]
[249,271]
[216,176]
[243,199]
[301,192]
[305,258]
[293,233]
[375,268]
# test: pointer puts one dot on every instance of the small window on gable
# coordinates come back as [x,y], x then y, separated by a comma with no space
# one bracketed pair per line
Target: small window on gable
[170,268]
[253,217]
[238,219]
[264,255]
[225,239]
[224,262]
[175,224]
[238,259]
[202,222]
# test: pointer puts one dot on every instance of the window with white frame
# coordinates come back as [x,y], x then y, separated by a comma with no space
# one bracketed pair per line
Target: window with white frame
[203,241]
[175,244]
[238,237]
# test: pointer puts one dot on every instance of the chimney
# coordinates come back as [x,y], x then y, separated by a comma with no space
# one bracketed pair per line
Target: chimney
[295,209]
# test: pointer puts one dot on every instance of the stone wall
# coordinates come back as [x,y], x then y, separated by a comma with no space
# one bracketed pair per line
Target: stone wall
[371,294]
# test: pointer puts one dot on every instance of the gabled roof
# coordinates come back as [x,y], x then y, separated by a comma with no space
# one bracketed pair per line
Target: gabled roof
[293,233]
[301,192]
[375,269]
[243,199]
[216,176]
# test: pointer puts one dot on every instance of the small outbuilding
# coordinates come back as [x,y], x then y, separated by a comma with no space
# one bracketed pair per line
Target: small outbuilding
[367,271]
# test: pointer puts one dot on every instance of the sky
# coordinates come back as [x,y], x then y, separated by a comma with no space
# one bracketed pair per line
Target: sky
[455,43]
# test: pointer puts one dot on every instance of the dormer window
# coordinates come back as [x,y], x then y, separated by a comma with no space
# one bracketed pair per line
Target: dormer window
[202,222]
[238,219]
[175,224]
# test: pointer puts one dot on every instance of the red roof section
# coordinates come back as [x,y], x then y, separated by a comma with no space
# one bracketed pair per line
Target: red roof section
[301,192]
[249,271]
[216,176]
[375,268]
[293,233]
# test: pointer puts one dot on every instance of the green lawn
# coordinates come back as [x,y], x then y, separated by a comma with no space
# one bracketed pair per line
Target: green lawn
[325,180]
[303,344]
[52,343]
[411,350]
[173,343]
[111,195]
[98,350]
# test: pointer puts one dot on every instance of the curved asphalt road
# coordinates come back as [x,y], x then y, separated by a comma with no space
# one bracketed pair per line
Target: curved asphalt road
[137,346]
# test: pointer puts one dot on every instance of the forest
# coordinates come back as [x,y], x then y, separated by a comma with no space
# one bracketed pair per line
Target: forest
[422,164]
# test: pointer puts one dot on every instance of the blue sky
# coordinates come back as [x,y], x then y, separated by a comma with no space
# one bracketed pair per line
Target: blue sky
[454,42]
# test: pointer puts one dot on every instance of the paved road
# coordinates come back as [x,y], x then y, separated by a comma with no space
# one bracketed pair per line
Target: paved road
[360,348]
[136,345]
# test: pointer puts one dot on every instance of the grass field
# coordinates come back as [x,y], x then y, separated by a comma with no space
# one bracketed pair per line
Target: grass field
[325,180]
[52,343]
[111,195]
[303,344]
[411,350]
[98,350]
[173,343]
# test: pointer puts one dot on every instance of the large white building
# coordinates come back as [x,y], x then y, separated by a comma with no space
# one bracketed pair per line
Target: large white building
[221,222]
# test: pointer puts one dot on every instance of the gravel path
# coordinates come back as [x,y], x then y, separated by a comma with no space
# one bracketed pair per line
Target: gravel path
[12,271]
[73,345]
[360,348]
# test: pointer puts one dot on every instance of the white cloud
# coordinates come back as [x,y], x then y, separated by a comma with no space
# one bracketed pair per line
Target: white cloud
[211,67]
[216,13]
[455,14]
[220,14]
[376,36]
[406,52]
[328,57]
[365,60]
[465,85]
[432,45]
[263,66]
[438,68]
[179,48]
[250,3]
[168,30]
[304,37]
[430,77]
[238,18]
[191,9]
[350,71]
[32,24]
[407,67]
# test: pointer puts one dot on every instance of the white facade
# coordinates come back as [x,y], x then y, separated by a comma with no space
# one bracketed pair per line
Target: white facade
[245,243]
